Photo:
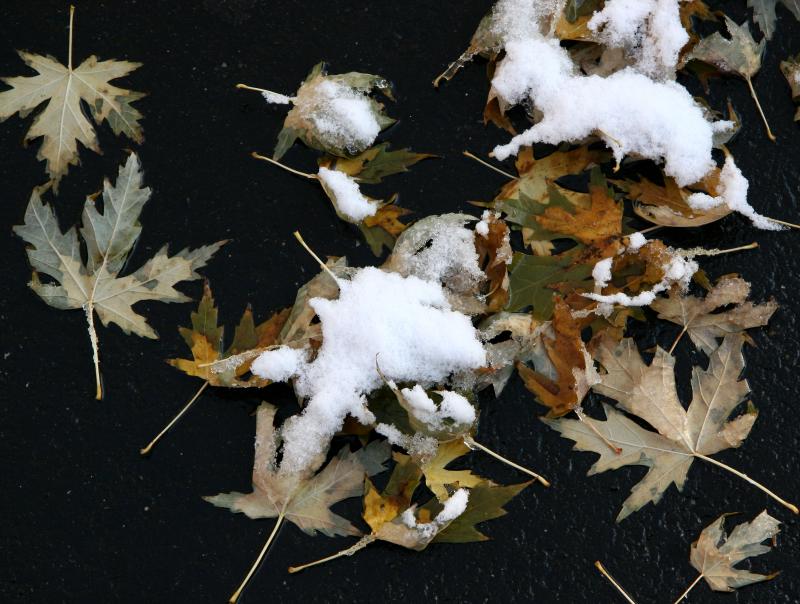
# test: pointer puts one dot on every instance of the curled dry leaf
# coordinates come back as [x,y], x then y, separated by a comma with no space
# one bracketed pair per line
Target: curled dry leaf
[494,256]
[649,393]
[574,368]
[715,554]
[667,205]
[62,124]
[698,318]
[94,285]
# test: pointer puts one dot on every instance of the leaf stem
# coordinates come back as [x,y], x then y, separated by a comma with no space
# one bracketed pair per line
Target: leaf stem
[784,223]
[675,343]
[472,443]
[89,310]
[235,596]
[651,229]
[599,566]
[783,502]
[69,47]
[153,442]
[255,89]
[586,420]
[285,167]
[490,166]
[357,546]
[760,110]
[688,589]
[719,252]
[322,265]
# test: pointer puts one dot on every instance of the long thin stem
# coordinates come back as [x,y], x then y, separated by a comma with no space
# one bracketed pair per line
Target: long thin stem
[719,252]
[235,596]
[472,443]
[356,547]
[678,339]
[69,48]
[586,420]
[784,223]
[651,229]
[322,265]
[760,110]
[783,502]
[153,442]
[285,167]
[688,589]
[253,88]
[89,309]
[490,166]
[599,566]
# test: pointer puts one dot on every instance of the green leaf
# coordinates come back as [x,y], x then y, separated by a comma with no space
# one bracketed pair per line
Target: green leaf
[532,281]
[486,502]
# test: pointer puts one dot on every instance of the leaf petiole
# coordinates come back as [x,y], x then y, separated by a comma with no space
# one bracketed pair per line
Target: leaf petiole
[153,442]
[599,566]
[760,110]
[356,547]
[688,589]
[284,166]
[488,165]
[473,444]
[235,596]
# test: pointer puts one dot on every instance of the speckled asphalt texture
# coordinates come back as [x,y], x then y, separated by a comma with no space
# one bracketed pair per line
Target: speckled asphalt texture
[86,519]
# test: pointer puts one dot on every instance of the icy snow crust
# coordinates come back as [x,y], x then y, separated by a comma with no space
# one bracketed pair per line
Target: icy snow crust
[403,323]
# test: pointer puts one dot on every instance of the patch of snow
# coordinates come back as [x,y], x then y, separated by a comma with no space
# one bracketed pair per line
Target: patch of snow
[455,505]
[346,196]
[279,364]
[453,406]
[276,98]
[404,322]
[732,191]
[601,273]
[635,242]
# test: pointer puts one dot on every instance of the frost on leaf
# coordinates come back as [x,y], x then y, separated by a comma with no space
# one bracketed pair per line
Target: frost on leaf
[334,113]
[62,124]
[94,284]
[715,554]
[648,392]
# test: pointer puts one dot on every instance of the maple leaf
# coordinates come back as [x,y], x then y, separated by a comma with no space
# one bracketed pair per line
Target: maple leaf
[704,326]
[94,285]
[485,42]
[62,124]
[303,500]
[573,367]
[437,477]
[791,70]
[715,554]
[648,392]
[764,13]
[738,55]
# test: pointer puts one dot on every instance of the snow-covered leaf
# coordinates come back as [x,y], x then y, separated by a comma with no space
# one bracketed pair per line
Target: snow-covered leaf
[305,499]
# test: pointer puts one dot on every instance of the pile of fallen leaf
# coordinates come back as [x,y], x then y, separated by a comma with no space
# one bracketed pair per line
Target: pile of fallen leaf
[537,305]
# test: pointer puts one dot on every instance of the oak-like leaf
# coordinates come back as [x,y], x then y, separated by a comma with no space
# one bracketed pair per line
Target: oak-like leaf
[764,13]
